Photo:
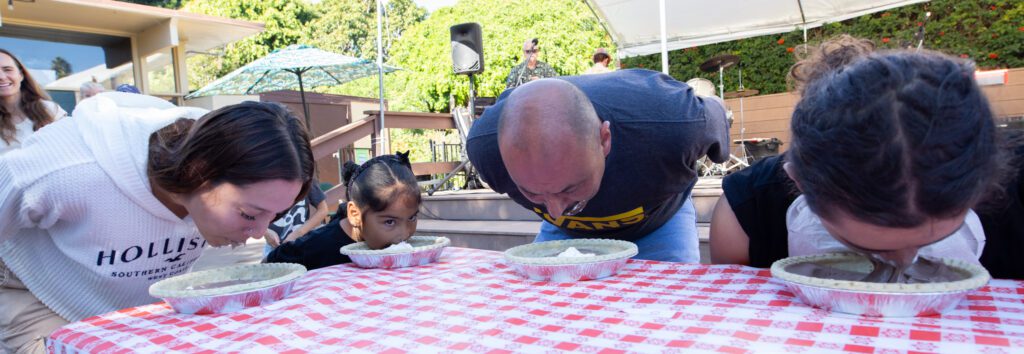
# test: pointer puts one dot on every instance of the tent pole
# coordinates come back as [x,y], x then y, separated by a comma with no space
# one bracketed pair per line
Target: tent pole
[384,146]
[664,39]
[803,19]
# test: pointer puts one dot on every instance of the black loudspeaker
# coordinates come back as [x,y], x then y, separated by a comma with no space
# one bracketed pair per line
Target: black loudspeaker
[467,49]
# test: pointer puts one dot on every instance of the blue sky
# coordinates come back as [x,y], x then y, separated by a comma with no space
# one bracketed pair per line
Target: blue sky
[38,54]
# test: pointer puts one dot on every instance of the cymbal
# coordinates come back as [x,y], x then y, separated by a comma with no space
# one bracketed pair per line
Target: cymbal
[724,60]
[742,93]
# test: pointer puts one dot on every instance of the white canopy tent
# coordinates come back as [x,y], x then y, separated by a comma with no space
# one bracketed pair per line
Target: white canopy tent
[642,27]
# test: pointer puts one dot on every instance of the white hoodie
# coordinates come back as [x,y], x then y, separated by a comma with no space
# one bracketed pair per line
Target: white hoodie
[78,220]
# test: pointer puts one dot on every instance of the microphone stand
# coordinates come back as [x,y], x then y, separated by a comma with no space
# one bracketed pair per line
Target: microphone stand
[919,36]
[526,62]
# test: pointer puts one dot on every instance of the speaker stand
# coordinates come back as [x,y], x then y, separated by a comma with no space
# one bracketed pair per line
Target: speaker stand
[472,98]
[462,124]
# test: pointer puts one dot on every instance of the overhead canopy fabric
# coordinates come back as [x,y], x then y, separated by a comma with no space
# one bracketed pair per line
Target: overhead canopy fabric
[634,24]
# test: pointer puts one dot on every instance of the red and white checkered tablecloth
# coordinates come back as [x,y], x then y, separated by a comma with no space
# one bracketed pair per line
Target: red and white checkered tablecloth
[472,301]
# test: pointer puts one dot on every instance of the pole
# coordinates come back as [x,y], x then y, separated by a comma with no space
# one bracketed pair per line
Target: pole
[743,143]
[721,82]
[305,107]
[803,19]
[664,39]
[920,30]
[472,96]
[384,146]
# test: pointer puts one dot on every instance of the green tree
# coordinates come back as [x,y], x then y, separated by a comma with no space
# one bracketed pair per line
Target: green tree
[285,24]
[350,26]
[567,30]
[61,66]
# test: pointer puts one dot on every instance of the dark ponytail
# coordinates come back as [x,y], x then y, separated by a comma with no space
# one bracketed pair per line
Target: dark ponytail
[379,181]
[240,144]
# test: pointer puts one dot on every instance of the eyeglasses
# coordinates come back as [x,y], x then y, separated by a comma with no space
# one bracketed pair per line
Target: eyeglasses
[576,208]
[531,51]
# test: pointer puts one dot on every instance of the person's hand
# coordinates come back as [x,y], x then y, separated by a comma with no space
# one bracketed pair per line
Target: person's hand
[534,78]
[272,239]
[294,235]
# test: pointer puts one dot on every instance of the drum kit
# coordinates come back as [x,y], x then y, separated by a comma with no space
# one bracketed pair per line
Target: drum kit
[705,87]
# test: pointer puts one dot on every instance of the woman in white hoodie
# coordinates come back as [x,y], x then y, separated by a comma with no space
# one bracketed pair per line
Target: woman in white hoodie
[93,210]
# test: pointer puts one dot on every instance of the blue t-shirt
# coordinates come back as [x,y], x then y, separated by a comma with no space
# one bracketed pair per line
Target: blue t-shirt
[659,130]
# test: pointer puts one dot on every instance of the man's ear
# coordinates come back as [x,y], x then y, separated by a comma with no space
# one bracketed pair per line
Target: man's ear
[606,138]
[791,172]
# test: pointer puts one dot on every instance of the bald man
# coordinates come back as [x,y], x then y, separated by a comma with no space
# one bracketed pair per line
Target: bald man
[604,156]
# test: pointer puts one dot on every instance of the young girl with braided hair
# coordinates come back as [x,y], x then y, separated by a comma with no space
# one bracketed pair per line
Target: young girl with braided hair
[383,203]
[894,154]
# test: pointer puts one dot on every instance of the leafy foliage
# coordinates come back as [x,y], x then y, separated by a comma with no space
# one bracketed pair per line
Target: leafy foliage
[286,22]
[342,26]
[568,34]
[350,26]
[989,32]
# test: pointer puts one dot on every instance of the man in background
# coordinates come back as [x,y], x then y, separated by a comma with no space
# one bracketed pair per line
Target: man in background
[90,88]
[601,62]
[531,68]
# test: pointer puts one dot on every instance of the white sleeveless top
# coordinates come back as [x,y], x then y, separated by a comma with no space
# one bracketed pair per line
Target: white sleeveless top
[807,236]
[24,129]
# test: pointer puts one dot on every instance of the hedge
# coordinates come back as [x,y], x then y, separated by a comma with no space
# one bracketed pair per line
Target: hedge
[991,33]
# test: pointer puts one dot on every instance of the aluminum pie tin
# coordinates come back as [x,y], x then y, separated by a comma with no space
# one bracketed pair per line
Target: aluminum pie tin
[426,250]
[540,262]
[228,289]
[877,299]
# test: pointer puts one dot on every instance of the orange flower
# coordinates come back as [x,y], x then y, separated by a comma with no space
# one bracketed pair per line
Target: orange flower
[964,56]
[789,50]
[993,7]
[781,41]
[885,39]
[885,14]
[993,55]
[919,24]
[943,33]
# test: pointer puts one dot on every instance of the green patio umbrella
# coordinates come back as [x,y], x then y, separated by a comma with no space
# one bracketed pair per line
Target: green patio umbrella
[294,66]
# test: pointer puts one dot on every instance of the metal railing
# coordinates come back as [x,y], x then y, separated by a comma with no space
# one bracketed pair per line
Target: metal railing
[330,143]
